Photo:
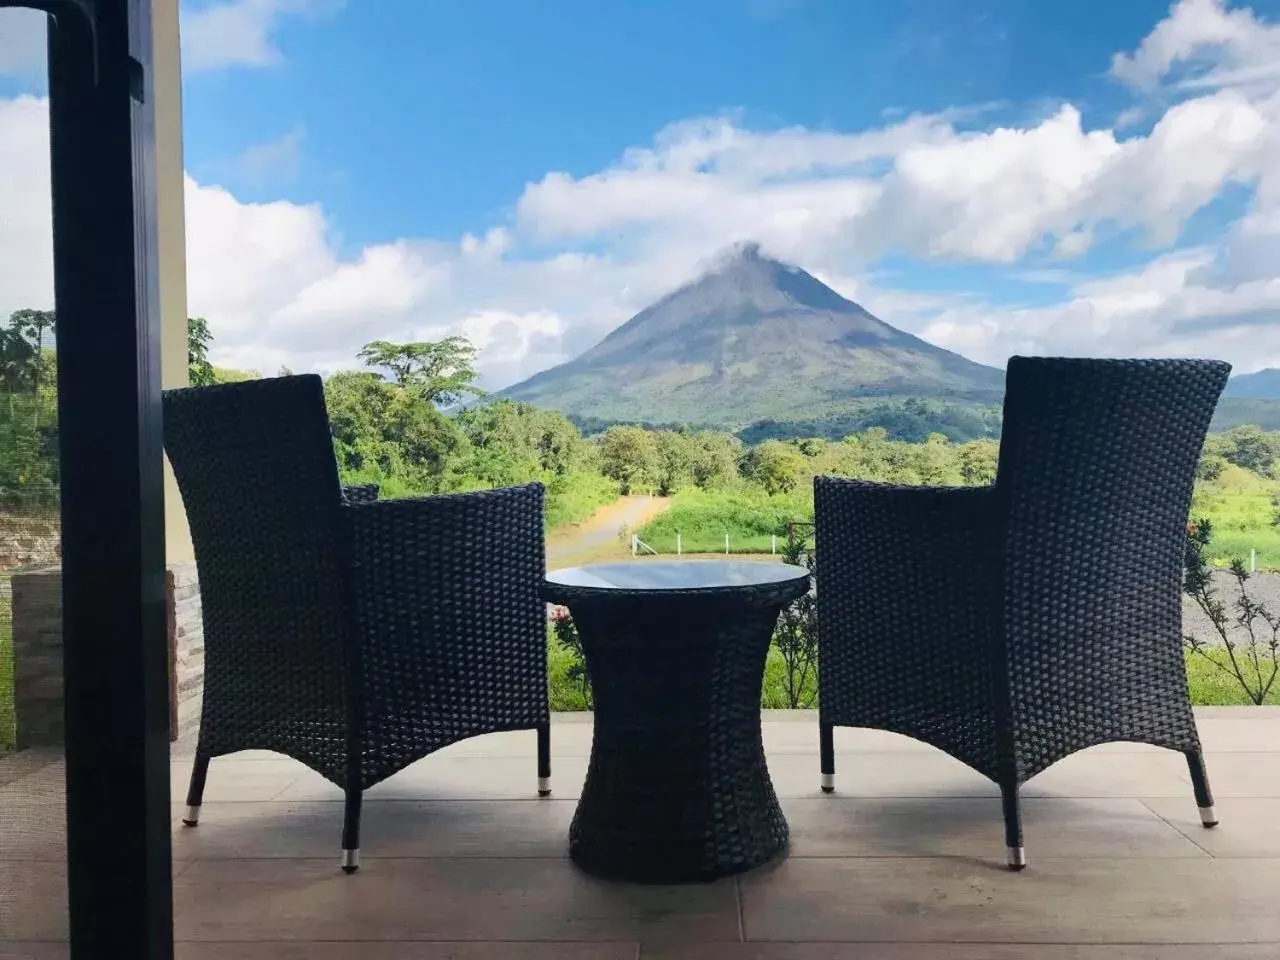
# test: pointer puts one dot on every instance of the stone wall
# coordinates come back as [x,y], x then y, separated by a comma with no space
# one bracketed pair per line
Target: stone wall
[186,632]
[30,543]
[37,654]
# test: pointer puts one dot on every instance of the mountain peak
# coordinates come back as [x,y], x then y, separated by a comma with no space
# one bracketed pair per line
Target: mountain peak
[750,337]
[742,253]
[744,257]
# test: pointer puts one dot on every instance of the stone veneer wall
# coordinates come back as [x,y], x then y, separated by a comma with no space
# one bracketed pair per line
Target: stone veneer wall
[37,654]
[186,633]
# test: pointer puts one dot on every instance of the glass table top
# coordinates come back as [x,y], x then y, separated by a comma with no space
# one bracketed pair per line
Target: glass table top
[676,575]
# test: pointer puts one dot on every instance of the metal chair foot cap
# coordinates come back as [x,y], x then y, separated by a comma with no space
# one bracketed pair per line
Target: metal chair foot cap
[828,783]
[350,861]
[544,786]
[192,817]
[1017,858]
[1207,817]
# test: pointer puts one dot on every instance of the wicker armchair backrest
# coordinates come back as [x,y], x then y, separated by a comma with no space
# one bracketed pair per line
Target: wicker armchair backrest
[254,462]
[1097,465]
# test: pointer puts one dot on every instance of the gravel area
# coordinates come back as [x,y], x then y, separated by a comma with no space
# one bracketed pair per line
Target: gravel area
[1263,587]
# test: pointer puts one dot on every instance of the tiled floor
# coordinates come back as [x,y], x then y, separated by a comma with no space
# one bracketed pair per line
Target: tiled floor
[904,862]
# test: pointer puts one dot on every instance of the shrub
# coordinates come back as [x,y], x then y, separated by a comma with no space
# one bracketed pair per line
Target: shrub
[1253,662]
[796,636]
[573,663]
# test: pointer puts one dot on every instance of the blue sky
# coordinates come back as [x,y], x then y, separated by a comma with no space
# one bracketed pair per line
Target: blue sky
[428,118]
[998,176]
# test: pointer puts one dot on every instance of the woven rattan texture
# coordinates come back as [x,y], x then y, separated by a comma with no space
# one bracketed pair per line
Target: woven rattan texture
[454,631]
[677,789]
[1011,626]
[351,634]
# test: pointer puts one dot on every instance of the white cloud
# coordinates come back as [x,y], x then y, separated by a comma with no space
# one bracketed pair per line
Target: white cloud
[226,33]
[941,187]
[26,214]
[23,39]
[273,161]
[1209,45]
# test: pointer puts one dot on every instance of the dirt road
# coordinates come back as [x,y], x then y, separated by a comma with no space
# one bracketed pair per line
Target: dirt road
[597,539]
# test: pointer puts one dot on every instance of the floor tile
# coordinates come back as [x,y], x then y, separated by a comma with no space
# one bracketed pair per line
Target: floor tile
[958,951]
[1095,773]
[974,828]
[915,774]
[34,951]
[33,828]
[1247,826]
[1054,901]
[389,828]
[1226,735]
[463,899]
[405,951]
[455,778]
[794,737]
[1242,775]
[234,779]
[33,901]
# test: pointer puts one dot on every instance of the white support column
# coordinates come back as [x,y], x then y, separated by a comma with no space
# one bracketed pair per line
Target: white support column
[171,217]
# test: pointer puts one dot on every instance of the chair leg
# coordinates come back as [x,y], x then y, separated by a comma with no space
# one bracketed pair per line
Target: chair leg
[544,760]
[195,790]
[827,752]
[1017,853]
[351,832]
[1200,782]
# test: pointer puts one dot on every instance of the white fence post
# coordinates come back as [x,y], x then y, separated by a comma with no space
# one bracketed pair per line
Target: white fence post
[633,544]
[1253,561]
[773,544]
[726,544]
[679,546]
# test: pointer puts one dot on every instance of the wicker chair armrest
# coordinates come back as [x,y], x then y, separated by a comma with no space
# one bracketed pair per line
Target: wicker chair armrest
[447,597]
[360,493]
[909,592]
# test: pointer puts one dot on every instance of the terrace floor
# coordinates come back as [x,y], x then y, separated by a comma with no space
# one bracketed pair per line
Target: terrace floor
[904,862]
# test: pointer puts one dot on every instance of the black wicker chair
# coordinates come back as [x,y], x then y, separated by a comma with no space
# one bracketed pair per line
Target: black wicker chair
[1015,624]
[354,635]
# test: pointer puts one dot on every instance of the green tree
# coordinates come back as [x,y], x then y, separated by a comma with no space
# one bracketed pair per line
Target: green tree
[978,462]
[1248,446]
[716,458]
[544,441]
[28,415]
[629,456]
[199,338]
[31,326]
[1210,467]
[675,458]
[935,461]
[775,465]
[382,432]
[441,372]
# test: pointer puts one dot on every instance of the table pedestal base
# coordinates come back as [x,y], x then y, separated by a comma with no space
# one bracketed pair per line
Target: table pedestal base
[678,789]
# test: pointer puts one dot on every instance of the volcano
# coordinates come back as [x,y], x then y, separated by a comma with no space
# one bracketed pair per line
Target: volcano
[753,339]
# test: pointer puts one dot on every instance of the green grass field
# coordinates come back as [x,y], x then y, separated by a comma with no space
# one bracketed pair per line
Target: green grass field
[701,520]
[1210,687]
[1239,504]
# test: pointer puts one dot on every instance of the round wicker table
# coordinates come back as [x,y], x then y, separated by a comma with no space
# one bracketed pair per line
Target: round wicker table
[677,789]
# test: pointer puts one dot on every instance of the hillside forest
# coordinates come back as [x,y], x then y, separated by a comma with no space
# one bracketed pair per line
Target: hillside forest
[414,421]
